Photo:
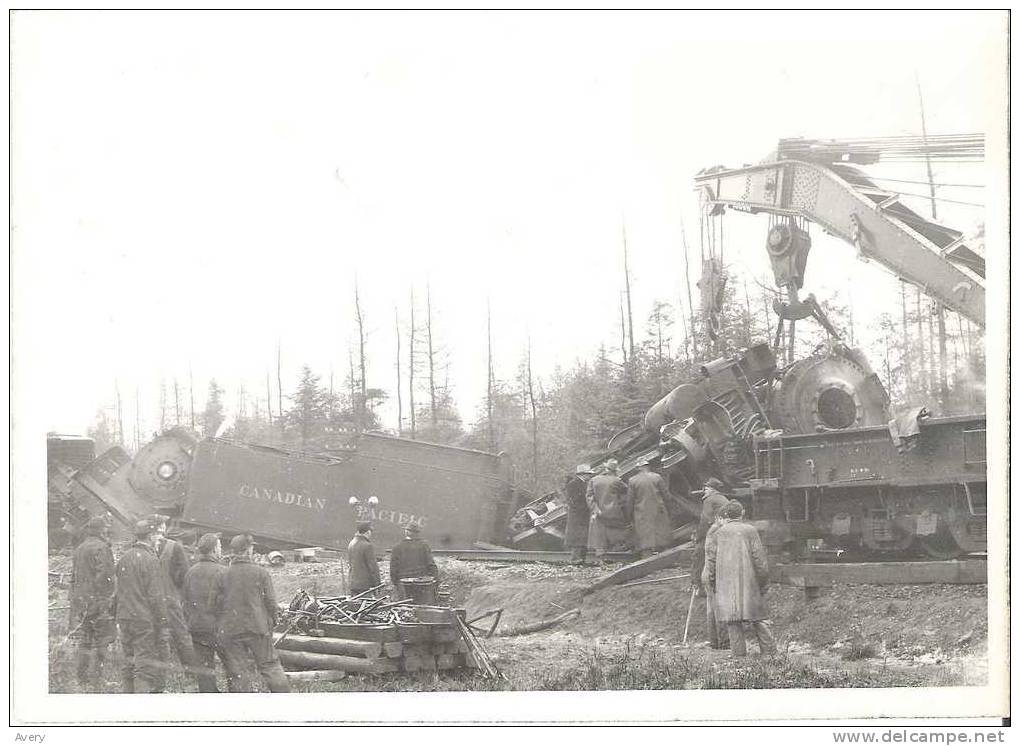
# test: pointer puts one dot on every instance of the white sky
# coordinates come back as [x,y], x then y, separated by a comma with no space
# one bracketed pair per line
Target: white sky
[189,188]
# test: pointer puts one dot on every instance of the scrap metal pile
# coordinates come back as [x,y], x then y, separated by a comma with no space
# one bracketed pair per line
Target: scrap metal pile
[324,638]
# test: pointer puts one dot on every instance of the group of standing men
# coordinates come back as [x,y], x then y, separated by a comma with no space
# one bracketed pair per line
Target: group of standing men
[159,601]
[730,566]
[610,511]
[410,558]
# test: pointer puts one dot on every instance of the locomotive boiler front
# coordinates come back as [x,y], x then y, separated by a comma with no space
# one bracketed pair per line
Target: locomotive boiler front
[831,390]
[161,470]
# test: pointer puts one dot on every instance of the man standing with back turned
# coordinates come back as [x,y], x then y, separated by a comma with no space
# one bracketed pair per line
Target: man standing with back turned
[92,588]
[712,501]
[738,574]
[199,598]
[361,556]
[141,612]
[247,612]
[411,558]
[648,494]
[607,500]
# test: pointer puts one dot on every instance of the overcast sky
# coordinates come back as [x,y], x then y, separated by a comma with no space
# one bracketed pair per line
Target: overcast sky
[190,188]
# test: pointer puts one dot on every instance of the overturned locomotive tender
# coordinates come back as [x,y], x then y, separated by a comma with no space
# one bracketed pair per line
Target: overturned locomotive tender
[456,496]
[812,451]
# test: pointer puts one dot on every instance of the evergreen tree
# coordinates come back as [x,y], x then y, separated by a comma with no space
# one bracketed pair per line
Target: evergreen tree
[213,415]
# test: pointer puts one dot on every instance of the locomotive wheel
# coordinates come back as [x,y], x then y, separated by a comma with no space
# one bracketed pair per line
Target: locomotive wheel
[941,546]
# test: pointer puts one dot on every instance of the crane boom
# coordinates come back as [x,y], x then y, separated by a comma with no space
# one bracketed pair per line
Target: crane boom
[845,203]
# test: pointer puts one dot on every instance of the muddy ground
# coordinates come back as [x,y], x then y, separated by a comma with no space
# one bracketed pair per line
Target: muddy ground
[632,638]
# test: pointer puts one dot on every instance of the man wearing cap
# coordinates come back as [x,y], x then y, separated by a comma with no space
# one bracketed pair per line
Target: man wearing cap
[173,560]
[411,558]
[141,612]
[200,584]
[361,556]
[737,572]
[92,594]
[717,635]
[246,609]
[578,517]
[647,494]
[712,501]
[607,500]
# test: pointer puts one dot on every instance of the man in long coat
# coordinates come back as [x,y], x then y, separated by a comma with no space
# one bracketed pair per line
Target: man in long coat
[411,558]
[200,612]
[141,612]
[717,636]
[173,560]
[610,515]
[92,589]
[648,494]
[578,515]
[361,557]
[737,572]
[712,501]
[246,606]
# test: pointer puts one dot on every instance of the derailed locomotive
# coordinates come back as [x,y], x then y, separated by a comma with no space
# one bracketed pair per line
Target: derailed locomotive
[812,451]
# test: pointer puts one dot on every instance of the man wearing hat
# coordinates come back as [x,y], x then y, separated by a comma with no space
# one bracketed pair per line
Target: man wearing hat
[361,556]
[92,593]
[173,561]
[200,584]
[578,517]
[712,501]
[737,572]
[141,611]
[610,514]
[246,606]
[411,558]
[648,494]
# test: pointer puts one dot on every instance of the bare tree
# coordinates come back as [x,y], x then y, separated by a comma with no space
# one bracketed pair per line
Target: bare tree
[908,372]
[410,369]
[490,382]
[177,404]
[400,397]
[687,282]
[432,357]
[626,281]
[623,332]
[162,404]
[363,402]
[530,393]
[120,415]
[138,421]
[269,399]
[279,386]
[191,396]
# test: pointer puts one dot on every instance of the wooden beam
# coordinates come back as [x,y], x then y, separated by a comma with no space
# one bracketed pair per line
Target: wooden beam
[661,561]
[956,572]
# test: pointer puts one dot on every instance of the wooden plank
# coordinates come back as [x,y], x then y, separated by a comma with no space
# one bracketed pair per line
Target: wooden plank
[326,675]
[329,645]
[370,632]
[954,572]
[661,561]
[320,661]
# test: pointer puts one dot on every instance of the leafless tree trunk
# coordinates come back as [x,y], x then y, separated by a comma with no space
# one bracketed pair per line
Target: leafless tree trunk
[279,386]
[767,312]
[534,418]
[687,333]
[352,386]
[747,304]
[162,405]
[269,400]
[177,404]
[432,362]
[921,360]
[120,416]
[490,385]
[410,370]
[626,280]
[191,396]
[400,397]
[138,421]
[687,282]
[623,333]
[363,404]
[932,367]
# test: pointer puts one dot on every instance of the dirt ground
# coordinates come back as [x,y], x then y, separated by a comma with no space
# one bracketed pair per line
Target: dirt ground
[632,638]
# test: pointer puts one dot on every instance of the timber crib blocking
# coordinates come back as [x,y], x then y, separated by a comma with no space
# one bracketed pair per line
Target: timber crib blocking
[433,644]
